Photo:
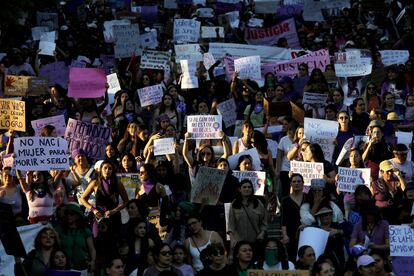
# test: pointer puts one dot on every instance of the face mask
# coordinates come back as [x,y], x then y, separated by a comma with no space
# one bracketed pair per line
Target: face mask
[271,257]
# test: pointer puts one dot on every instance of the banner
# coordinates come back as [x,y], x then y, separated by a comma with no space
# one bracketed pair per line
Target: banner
[56,73]
[25,86]
[314,98]
[270,36]
[323,133]
[204,126]
[207,185]
[164,146]
[258,179]
[57,121]
[391,57]
[188,52]
[234,158]
[211,32]
[401,240]
[86,83]
[89,137]
[186,30]
[257,272]
[131,183]
[150,95]
[314,237]
[248,67]
[309,170]
[189,78]
[13,115]
[154,59]
[41,154]
[127,41]
[227,110]
[349,179]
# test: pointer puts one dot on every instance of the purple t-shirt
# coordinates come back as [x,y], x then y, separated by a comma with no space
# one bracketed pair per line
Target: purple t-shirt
[378,235]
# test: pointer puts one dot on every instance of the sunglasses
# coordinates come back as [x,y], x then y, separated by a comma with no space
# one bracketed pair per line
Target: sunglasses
[142,172]
[218,253]
[343,118]
[165,253]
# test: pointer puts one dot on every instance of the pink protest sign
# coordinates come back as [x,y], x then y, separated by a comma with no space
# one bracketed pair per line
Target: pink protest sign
[86,83]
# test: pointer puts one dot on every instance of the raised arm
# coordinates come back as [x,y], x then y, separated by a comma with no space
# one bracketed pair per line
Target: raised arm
[186,154]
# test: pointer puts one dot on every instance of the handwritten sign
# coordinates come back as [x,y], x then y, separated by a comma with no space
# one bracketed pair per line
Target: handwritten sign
[127,41]
[314,237]
[227,110]
[48,19]
[248,67]
[114,85]
[189,79]
[57,121]
[188,52]
[390,57]
[47,48]
[212,32]
[186,30]
[164,146]
[309,170]
[108,28]
[41,153]
[38,31]
[401,240]
[204,126]
[89,137]
[322,132]
[258,179]
[86,83]
[25,86]
[131,183]
[257,272]
[13,115]
[150,95]
[349,179]
[207,185]
[154,59]
[56,73]
[314,98]
[353,69]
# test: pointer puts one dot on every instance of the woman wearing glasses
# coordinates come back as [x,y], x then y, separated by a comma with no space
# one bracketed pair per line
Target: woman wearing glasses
[163,261]
[345,132]
[359,117]
[217,261]
[371,97]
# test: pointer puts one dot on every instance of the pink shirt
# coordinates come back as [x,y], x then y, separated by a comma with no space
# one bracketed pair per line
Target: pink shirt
[39,207]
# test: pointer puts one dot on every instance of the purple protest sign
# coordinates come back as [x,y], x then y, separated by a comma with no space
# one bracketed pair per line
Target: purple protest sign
[403,266]
[86,83]
[56,73]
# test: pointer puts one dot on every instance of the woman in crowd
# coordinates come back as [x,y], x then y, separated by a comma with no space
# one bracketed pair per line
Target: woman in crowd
[359,116]
[338,100]
[114,267]
[243,258]
[245,142]
[317,82]
[134,140]
[10,192]
[371,97]
[217,261]
[395,84]
[255,112]
[275,257]
[168,107]
[389,105]
[128,164]
[306,256]
[295,152]
[344,133]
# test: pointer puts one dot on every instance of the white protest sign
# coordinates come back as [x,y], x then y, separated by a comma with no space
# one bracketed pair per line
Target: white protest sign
[248,67]
[108,25]
[258,179]
[391,57]
[127,40]
[207,185]
[401,240]
[353,70]
[57,121]
[47,48]
[41,153]
[38,31]
[154,59]
[266,6]
[186,30]
[164,146]
[205,12]
[233,159]
[204,126]
[149,40]
[211,32]
[314,237]
[309,170]
[272,145]
[49,36]
[150,95]
[312,11]
[114,86]
[188,52]
[314,98]
[208,60]
[232,18]
[131,183]
[228,110]
[270,129]
[349,179]
[48,19]
[322,132]
[405,138]
[189,79]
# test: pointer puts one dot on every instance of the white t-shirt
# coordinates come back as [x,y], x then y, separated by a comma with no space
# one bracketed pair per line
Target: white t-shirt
[278,266]
[285,145]
[407,169]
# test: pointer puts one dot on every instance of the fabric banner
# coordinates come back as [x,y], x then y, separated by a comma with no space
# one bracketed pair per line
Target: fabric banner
[207,185]
[164,146]
[41,154]
[57,121]
[56,73]
[308,170]
[150,95]
[248,67]
[127,41]
[13,115]
[89,137]
[154,59]
[258,179]
[86,83]
[391,57]
[349,179]
[131,183]
[186,30]
[25,86]
[322,132]
[204,126]
[270,36]
[401,240]
[227,110]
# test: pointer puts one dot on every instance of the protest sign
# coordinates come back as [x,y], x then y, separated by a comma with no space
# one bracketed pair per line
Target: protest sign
[86,83]
[186,30]
[41,153]
[57,121]
[258,179]
[154,59]
[205,12]
[48,36]
[48,19]
[13,115]
[349,179]
[401,240]
[149,40]
[211,32]
[109,32]
[25,86]
[314,98]
[256,164]
[391,57]
[188,52]
[89,137]
[265,6]
[403,266]
[248,67]
[7,160]
[127,41]
[189,78]
[38,31]
[257,272]
[269,36]
[270,129]
[208,60]
[227,110]
[314,237]
[353,70]
[47,48]
[164,146]
[150,95]
[170,4]
[114,86]
[131,183]
[207,185]
[309,170]
[204,126]
[322,132]
[56,73]
[356,142]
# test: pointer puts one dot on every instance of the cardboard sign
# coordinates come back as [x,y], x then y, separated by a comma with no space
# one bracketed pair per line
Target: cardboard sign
[189,78]
[13,115]
[204,126]
[309,170]
[349,179]
[186,30]
[57,121]
[154,59]
[322,132]
[150,95]
[248,67]
[164,146]
[207,185]
[47,48]
[89,137]
[25,86]
[127,41]
[314,98]
[257,272]
[86,83]
[188,52]
[131,183]
[314,237]
[41,154]
[258,179]
[56,73]
[227,110]
[401,240]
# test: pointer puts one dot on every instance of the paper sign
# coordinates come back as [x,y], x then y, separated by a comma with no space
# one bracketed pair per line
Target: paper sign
[127,41]
[38,31]
[114,86]
[403,266]
[314,98]
[57,121]
[353,70]
[56,73]
[131,183]
[150,95]
[208,60]
[257,272]
[204,126]
[227,110]
[170,4]
[48,19]
[164,146]
[25,86]
[89,137]
[322,132]
[41,154]
[211,32]
[149,40]
[391,57]
[47,48]
[186,30]
[265,6]
[154,59]
[401,240]
[258,179]
[49,36]
[309,170]
[314,237]
[189,79]
[248,67]
[108,25]
[349,179]
[207,185]
[13,115]
[86,83]
[271,129]
[234,158]
[188,52]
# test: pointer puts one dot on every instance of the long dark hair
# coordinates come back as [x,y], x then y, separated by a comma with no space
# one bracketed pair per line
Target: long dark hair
[282,255]
[317,152]
[144,246]
[44,184]
[260,142]
[367,209]
[325,201]
[237,248]
[113,187]
[238,202]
